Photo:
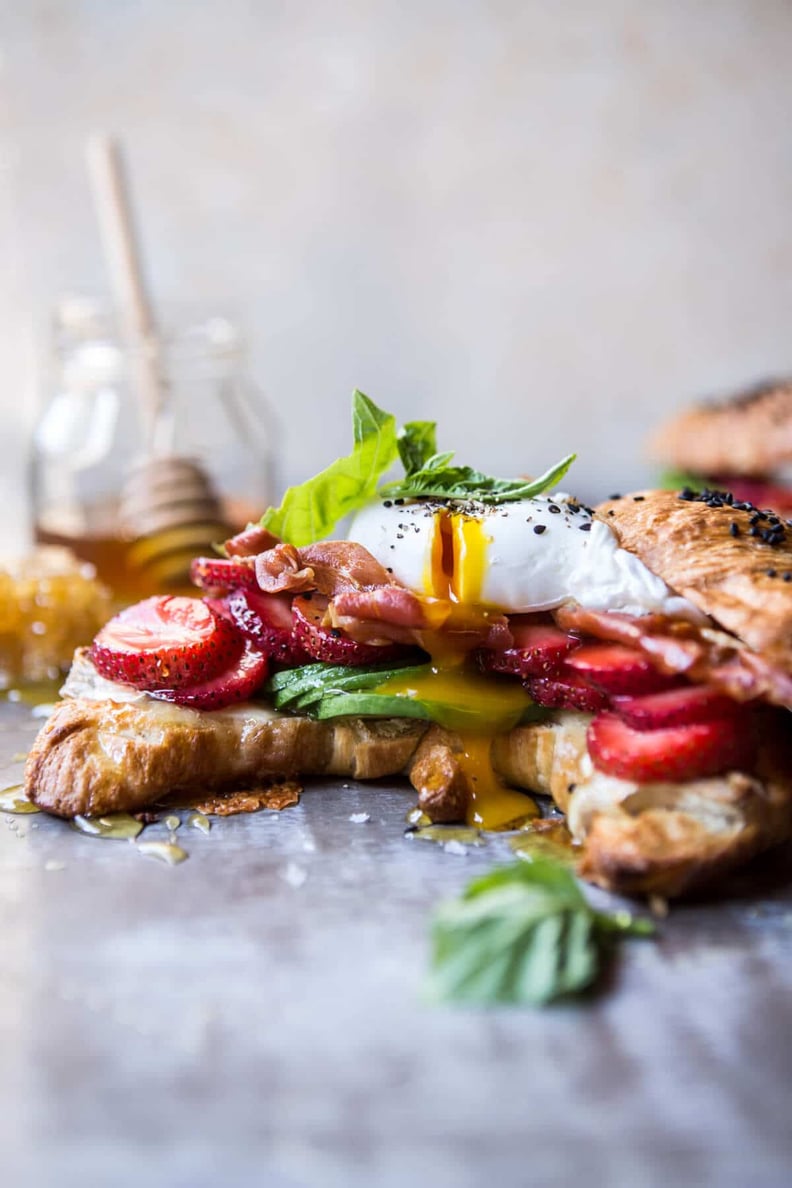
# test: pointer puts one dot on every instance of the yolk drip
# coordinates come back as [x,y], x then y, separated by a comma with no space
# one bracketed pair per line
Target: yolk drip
[470,556]
[465,700]
[475,707]
[492,804]
[457,558]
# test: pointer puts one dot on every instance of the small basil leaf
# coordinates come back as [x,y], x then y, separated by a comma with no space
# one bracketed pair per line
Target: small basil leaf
[417,443]
[521,934]
[438,479]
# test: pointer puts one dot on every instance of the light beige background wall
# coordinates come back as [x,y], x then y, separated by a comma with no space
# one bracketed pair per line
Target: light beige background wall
[544,224]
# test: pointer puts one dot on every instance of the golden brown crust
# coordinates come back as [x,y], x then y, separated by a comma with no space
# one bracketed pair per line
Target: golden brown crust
[671,839]
[97,757]
[661,839]
[750,434]
[438,776]
[736,579]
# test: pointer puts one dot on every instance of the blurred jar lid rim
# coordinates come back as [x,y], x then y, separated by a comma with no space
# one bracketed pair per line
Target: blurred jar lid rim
[86,317]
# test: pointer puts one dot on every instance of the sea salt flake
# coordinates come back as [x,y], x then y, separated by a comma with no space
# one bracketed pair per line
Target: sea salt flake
[294,875]
[359,818]
[455,847]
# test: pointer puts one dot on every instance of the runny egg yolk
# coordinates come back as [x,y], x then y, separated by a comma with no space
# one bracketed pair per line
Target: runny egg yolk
[492,804]
[487,706]
[457,559]
[475,708]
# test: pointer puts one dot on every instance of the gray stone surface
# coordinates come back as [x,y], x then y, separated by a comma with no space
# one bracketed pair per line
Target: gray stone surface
[226,1022]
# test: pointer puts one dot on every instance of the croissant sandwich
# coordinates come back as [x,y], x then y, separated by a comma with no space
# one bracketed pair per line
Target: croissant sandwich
[482,637]
[742,443]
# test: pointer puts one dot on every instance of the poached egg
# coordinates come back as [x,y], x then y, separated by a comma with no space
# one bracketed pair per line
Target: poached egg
[530,555]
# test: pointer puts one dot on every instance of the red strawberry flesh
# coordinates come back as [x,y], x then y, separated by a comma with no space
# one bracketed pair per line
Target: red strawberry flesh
[235,683]
[674,707]
[567,691]
[618,669]
[673,755]
[267,621]
[165,642]
[328,643]
[538,650]
[219,575]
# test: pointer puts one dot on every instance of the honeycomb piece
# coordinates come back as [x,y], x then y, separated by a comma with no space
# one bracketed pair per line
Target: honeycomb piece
[50,603]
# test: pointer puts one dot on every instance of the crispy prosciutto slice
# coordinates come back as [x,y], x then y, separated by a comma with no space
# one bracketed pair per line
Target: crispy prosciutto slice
[705,655]
[249,543]
[329,567]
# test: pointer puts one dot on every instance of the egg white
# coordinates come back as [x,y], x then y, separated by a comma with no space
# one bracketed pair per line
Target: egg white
[530,555]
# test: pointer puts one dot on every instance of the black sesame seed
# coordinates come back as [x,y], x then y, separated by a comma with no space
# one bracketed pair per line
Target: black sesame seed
[786,577]
[400,536]
[399,502]
[539,529]
[611,512]
[734,528]
[585,527]
[615,496]
[771,572]
[388,503]
[638,498]
[552,507]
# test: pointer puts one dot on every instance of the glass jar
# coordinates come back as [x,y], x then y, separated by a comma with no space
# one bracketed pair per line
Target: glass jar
[138,499]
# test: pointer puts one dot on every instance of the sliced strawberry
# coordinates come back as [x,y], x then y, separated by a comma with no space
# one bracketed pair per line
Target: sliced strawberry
[165,642]
[618,669]
[238,682]
[267,621]
[220,607]
[567,691]
[330,644]
[674,755]
[217,574]
[675,707]
[538,650]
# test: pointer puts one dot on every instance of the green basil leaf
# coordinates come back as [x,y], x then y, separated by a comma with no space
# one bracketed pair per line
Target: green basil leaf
[438,479]
[676,480]
[310,511]
[539,873]
[521,934]
[417,443]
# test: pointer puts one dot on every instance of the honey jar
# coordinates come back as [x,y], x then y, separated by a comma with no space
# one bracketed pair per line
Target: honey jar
[138,502]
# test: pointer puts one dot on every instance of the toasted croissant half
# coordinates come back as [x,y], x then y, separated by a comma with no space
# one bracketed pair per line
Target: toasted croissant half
[96,756]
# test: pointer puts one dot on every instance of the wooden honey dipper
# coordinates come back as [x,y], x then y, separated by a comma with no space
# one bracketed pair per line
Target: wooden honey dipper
[168,506]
